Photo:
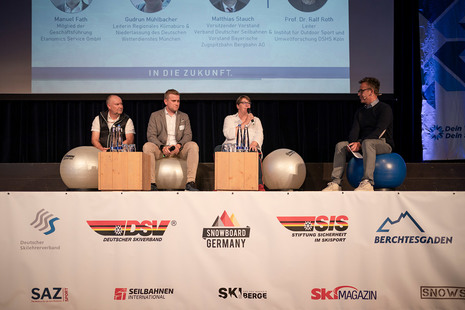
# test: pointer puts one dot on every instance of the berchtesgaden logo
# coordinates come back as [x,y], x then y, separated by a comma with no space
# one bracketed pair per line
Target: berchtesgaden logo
[407,221]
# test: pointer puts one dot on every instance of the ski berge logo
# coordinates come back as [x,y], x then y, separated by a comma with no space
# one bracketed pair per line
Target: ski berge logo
[226,233]
[322,228]
[130,230]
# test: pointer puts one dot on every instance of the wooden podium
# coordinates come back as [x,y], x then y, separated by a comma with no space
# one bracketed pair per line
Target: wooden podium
[123,171]
[236,171]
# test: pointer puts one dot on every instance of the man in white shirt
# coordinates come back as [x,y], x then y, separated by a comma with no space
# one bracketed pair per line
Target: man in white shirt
[102,124]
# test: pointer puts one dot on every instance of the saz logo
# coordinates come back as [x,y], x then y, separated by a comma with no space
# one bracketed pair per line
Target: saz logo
[55,294]
[45,220]
[226,233]
[343,292]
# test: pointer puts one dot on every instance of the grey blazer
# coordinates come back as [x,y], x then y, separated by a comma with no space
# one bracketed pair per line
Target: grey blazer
[157,132]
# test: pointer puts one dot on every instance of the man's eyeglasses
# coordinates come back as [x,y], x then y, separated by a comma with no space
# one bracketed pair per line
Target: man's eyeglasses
[245,102]
[362,90]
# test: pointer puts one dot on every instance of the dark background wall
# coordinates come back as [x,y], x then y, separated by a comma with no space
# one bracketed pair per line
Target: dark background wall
[43,128]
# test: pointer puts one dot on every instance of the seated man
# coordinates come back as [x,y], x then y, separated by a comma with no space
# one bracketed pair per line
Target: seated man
[103,123]
[169,134]
[371,134]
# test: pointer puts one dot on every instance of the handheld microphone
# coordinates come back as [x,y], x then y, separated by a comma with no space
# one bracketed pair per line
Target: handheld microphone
[252,120]
[171,148]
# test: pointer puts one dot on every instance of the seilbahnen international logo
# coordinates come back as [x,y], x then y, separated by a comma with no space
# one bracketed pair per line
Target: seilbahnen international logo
[131,230]
[226,233]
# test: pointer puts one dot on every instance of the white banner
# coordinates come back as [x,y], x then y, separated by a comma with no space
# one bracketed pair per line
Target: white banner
[232,250]
[442,43]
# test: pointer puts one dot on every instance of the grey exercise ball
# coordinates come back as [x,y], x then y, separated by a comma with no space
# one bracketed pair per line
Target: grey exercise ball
[171,173]
[284,169]
[79,168]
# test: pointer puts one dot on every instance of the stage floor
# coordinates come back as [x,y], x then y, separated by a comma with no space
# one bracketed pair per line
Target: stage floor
[440,176]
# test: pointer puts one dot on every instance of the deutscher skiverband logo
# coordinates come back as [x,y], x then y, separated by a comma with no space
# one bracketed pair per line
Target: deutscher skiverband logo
[130,230]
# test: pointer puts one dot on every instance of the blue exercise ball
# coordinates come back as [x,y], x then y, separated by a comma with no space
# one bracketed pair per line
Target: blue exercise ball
[390,171]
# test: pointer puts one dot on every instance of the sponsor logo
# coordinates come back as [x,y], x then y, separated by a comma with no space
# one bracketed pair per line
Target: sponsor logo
[120,293]
[44,222]
[130,230]
[142,293]
[321,228]
[239,293]
[226,233]
[407,230]
[53,294]
[345,292]
[442,292]
[437,132]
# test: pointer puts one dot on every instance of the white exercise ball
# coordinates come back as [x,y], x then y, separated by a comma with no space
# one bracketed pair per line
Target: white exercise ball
[171,173]
[284,169]
[79,168]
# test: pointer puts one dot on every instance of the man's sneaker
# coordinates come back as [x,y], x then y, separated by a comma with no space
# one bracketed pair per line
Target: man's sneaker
[332,187]
[190,186]
[153,187]
[365,185]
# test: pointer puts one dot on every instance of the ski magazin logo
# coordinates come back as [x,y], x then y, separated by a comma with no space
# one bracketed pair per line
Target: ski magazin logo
[142,293]
[53,294]
[239,293]
[442,292]
[321,228]
[44,222]
[226,233]
[129,231]
[343,293]
[405,229]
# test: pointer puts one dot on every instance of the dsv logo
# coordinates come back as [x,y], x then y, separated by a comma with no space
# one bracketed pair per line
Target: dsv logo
[45,220]
[54,294]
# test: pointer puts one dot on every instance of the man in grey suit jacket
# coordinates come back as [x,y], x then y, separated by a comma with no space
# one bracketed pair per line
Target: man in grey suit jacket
[169,134]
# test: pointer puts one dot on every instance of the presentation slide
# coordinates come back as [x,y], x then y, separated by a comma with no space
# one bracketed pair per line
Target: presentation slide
[201,46]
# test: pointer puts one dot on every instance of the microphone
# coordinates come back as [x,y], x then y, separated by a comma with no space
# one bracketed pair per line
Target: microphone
[252,120]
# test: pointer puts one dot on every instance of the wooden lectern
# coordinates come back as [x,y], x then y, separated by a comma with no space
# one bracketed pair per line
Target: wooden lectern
[123,171]
[236,171]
